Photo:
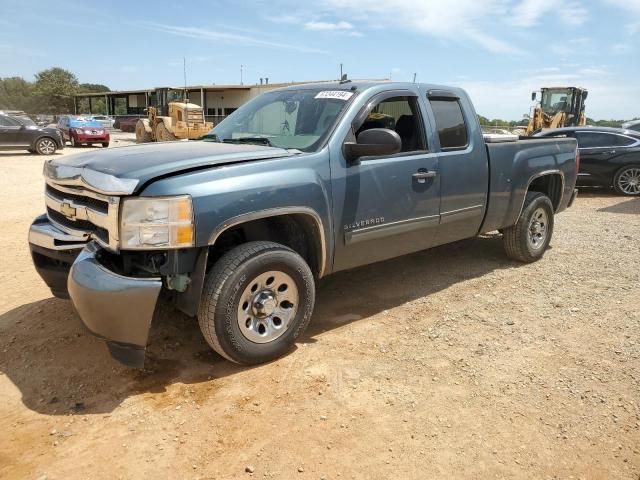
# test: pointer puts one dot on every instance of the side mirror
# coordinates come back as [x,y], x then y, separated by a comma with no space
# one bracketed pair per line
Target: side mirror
[372,143]
[533,96]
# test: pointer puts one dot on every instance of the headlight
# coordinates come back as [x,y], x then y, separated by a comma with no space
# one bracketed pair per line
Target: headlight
[156,222]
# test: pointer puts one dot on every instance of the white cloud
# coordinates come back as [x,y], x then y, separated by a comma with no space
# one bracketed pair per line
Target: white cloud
[328,26]
[633,8]
[561,50]
[453,20]
[225,37]
[621,48]
[528,13]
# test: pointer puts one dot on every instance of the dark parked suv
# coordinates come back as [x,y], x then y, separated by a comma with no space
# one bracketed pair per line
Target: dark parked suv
[17,132]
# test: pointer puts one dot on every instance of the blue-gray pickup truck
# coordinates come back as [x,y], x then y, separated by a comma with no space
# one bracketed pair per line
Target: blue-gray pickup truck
[298,183]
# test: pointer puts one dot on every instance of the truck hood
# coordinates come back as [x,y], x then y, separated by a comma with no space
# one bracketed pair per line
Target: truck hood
[123,170]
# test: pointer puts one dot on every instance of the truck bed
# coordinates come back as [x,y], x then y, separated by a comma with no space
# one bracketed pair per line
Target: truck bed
[514,163]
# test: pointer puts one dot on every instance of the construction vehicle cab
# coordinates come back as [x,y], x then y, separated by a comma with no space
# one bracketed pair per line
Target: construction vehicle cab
[559,107]
[172,117]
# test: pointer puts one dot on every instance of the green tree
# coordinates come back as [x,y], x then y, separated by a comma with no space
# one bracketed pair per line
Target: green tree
[16,94]
[55,89]
[92,88]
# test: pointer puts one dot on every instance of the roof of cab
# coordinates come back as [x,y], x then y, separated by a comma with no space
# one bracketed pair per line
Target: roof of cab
[366,84]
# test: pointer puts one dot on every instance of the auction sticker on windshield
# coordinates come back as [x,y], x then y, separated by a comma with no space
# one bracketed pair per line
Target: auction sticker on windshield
[336,94]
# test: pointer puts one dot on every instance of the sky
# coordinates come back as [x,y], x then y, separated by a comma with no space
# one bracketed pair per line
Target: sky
[498,50]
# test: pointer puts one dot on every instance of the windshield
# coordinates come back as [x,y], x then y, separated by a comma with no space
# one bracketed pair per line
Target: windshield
[297,119]
[554,101]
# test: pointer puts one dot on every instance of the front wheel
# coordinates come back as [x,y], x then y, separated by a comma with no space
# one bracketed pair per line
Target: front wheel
[257,300]
[163,134]
[105,145]
[528,239]
[46,146]
[627,181]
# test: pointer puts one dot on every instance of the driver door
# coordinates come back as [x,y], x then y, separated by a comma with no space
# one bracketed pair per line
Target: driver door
[9,132]
[386,206]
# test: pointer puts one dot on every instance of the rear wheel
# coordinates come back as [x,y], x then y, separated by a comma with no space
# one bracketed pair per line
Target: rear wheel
[627,181]
[528,239]
[257,300]
[142,136]
[46,146]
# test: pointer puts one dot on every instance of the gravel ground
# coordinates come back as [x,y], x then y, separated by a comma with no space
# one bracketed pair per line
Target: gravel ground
[449,363]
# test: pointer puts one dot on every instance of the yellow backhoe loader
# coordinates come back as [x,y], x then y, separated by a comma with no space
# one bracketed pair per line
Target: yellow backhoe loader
[172,118]
[559,107]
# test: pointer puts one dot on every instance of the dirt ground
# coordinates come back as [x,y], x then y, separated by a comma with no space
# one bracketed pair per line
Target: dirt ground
[449,363]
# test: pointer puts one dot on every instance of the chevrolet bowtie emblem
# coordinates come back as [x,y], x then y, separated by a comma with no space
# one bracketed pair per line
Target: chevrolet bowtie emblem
[67,210]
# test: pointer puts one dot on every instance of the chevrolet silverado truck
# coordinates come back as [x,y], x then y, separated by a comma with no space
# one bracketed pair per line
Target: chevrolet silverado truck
[298,183]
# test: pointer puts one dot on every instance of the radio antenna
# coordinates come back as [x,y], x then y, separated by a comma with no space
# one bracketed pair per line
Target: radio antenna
[184,71]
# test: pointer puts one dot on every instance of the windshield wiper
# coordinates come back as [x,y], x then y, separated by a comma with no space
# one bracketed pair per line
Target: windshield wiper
[256,140]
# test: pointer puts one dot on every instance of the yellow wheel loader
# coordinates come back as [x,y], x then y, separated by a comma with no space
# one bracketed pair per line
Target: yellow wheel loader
[558,107]
[172,120]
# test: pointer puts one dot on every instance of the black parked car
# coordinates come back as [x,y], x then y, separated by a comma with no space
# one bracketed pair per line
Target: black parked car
[20,132]
[608,156]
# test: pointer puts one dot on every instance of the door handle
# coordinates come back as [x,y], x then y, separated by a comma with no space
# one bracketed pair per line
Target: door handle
[421,176]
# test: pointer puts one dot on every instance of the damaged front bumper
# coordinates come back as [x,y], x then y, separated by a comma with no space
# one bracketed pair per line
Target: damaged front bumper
[113,307]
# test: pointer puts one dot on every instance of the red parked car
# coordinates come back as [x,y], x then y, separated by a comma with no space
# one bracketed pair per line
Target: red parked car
[82,131]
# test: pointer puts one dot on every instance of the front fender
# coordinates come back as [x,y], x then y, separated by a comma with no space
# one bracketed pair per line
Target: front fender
[230,194]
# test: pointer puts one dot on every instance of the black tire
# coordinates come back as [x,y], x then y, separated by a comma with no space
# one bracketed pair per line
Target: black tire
[46,146]
[74,143]
[105,145]
[163,134]
[622,184]
[142,136]
[524,241]
[223,296]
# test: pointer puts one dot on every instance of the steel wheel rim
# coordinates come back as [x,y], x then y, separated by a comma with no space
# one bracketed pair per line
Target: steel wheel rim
[267,306]
[629,181]
[47,147]
[538,228]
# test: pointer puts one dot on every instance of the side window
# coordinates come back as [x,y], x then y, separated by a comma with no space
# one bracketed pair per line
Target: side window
[8,122]
[452,130]
[401,114]
[624,141]
[595,140]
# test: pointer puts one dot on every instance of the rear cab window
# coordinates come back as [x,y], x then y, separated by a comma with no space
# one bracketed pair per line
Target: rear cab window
[450,124]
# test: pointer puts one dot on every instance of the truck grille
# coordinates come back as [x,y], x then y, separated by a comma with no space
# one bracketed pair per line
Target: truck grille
[60,219]
[83,212]
[94,203]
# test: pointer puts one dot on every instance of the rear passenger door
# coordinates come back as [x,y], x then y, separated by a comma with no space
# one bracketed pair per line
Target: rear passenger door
[386,206]
[463,165]
[597,153]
